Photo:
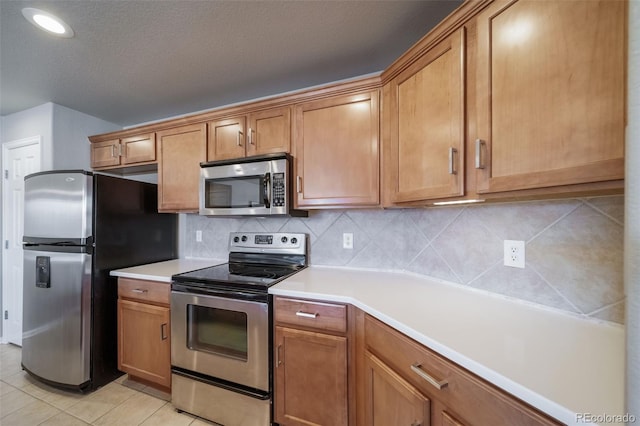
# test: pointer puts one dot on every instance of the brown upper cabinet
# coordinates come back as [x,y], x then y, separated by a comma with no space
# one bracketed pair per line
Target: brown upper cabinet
[262,132]
[139,149]
[427,122]
[182,149]
[336,151]
[550,94]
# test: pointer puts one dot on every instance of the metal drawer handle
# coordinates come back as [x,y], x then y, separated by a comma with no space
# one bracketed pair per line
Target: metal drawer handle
[163,331]
[140,291]
[452,153]
[278,360]
[239,137]
[479,144]
[298,184]
[438,384]
[306,314]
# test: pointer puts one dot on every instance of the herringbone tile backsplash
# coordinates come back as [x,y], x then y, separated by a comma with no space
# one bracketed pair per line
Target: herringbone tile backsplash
[573,247]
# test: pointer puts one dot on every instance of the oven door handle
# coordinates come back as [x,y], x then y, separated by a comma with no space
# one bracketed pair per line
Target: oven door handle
[267,190]
[230,294]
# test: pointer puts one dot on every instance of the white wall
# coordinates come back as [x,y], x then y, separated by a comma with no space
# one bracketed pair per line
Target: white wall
[70,131]
[632,215]
[63,134]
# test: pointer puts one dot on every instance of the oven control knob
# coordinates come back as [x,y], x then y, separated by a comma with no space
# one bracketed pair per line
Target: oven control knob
[284,239]
[244,238]
[236,239]
[294,240]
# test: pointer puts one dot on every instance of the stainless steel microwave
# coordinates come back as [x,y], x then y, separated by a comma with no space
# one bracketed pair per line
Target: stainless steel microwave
[251,186]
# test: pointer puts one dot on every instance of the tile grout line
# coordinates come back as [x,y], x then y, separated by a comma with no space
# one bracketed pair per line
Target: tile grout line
[603,308]
[545,229]
[602,212]
[565,298]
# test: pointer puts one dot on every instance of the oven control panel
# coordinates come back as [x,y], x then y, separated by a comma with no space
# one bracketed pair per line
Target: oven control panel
[268,242]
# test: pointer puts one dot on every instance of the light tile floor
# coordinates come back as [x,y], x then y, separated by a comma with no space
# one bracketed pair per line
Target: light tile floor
[25,401]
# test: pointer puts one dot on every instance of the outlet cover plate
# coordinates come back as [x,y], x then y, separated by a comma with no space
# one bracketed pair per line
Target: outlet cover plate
[347,240]
[514,253]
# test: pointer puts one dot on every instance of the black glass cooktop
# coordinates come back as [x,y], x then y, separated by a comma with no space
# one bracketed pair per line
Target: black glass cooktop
[238,275]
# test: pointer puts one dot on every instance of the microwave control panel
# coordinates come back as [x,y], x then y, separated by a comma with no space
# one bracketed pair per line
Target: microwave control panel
[278,187]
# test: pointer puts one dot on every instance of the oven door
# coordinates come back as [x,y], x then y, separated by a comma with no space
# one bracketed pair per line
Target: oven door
[255,188]
[223,338]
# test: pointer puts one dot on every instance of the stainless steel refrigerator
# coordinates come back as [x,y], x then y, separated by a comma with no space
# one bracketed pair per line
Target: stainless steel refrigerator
[78,226]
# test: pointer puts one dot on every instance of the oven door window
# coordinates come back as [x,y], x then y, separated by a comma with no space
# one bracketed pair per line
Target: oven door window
[235,192]
[218,331]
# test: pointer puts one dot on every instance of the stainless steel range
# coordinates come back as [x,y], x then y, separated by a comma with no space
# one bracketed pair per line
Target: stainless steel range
[221,327]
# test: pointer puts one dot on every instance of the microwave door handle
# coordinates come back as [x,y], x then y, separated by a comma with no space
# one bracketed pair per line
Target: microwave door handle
[267,190]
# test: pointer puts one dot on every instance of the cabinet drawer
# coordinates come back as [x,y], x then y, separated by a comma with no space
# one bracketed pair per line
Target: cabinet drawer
[144,291]
[474,400]
[316,315]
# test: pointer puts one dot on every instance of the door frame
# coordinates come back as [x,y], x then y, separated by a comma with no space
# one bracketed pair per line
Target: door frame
[6,199]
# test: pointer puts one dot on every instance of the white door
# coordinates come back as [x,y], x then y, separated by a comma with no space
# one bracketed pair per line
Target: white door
[19,158]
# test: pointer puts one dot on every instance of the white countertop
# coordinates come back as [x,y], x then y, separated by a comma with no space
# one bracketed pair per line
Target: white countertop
[559,363]
[162,271]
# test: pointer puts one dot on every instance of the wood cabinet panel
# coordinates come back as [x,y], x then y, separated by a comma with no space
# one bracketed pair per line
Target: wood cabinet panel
[472,399]
[181,151]
[226,139]
[310,378]
[144,291]
[269,131]
[550,93]
[105,154]
[390,399]
[138,149]
[336,151]
[427,124]
[144,345]
[315,315]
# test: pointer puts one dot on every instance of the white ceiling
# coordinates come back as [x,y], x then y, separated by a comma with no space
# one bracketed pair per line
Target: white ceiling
[136,61]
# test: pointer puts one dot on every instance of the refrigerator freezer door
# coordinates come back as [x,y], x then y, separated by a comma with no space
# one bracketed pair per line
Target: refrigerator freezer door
[57,316]
[58,206]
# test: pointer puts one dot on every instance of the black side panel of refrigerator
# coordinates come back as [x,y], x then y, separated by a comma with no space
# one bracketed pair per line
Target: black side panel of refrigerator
[128,231]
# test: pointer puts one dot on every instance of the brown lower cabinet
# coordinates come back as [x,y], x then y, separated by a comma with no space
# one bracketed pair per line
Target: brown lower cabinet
[311,361]
[451,395]
[144,327]
[336,365]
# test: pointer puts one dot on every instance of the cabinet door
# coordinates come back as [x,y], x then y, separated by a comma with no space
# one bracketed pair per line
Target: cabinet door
[391,400]
[105,154]
[138,149]
[144,345]
[427,125]
[336,151]
[551,93]
[181,151]
[226,139]
[269,131]
[311,378]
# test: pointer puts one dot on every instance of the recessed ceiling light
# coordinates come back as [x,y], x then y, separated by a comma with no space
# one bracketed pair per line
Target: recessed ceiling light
[47,22]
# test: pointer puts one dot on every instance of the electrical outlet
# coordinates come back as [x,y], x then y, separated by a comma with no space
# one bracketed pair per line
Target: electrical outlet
[198,236]
[514,253]
[347,240]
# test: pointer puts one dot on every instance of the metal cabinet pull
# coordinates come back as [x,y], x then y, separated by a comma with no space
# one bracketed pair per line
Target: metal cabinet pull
[138,290]
[239,137]
[114,154]
[163,331]
[306,315]
[120,151]
[278,360]
[479,144]
[250,136]
[452,154]
[298,184]
[438,384]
